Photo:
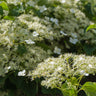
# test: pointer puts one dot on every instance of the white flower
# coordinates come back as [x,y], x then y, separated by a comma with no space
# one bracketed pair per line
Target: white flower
[59,68]
[52,62]
[30,3]
[57,50]
[74,35]
[12,1]
[63,1]
[92,23]
[35,34]
[43,8]
[73,41]
[77,0]
[47,18]
[29,41]
[86,74]
[90,65]
[54,20]
[21,73]
[72,10]
[6,12]
[82,71]
[80,58]
[50,38]
[63,33]
[5,55]
[7,38]
[9,67]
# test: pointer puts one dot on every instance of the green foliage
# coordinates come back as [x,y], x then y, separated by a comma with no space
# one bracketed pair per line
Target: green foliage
[21,49]
[69,92]
[2,81]
[43,45]
[89,7]
[42,2]
[9,18]
[14,10]
[27,87]
[1,10]
[89,49]
[4,5]
[42,25]
[89,88]
[65,77]
[50,91]
[17,86]
[91,27]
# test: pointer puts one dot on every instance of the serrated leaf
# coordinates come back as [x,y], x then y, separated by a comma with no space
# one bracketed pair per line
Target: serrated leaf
[91,27]
[4,5]
[89,88]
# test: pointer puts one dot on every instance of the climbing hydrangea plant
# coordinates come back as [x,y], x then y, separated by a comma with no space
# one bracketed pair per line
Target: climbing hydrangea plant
[65,72]
[34,32]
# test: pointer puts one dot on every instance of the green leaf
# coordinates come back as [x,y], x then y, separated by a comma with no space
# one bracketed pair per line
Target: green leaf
[2,81]
[64,85]
[21,49]
[43,45]
[45,91]
[69,92]
[89,49]
[89,88]
[23,84]
[74,80]
[50,91]
[1,10]
[11,93]
[9,17]
[91,27]
[66,93]
[4,5]
[14,10]
[42,2]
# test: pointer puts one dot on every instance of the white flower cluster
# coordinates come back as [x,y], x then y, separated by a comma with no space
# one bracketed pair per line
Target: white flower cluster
[31,30]
[16,62]
[29,41]
[15,2]
[22,73]
[68,19]
[57,70]
[57,50]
